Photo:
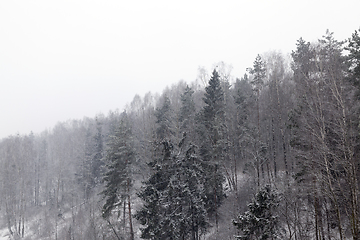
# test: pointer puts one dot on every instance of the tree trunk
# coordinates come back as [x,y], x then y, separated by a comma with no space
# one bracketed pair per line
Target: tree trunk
[130,217]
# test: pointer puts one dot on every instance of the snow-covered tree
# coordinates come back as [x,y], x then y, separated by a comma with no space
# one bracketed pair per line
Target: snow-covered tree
[260,222]
[164,120]
[211,133]
[173,197]
[118,158]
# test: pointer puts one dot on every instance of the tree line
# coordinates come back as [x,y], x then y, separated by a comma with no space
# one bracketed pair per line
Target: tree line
[270,155]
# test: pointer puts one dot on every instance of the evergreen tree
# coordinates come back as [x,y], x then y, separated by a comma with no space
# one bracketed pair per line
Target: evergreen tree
[92,165]
[354,60]
[303,60]
[213,111]
[173,196]
[260,221]
[118,158]
[187,110]
[164,120]
[153,211]
[98,152]
[185,194]
[244,99]
[211,131]
[258,72]
[323,136]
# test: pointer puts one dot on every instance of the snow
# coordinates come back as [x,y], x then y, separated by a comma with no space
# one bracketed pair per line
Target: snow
[4,234]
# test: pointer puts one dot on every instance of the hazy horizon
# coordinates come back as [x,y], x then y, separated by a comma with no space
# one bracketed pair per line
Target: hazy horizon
[70,59]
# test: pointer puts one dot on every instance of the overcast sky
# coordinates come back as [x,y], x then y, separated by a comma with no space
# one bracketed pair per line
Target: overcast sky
[64,60]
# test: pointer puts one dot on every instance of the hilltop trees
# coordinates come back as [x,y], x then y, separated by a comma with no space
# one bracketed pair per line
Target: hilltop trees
[354,60]
[290,130]
[324,135]
[173,196]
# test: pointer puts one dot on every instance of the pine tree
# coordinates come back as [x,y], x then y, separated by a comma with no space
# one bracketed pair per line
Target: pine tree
[354,60]
[323,135]
[260,221]
[118,158]
[303,62]
[258,72]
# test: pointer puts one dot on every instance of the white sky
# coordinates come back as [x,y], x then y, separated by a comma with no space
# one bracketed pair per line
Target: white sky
[64,59]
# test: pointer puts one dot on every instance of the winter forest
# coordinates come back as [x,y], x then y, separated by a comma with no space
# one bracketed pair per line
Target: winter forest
[273,154]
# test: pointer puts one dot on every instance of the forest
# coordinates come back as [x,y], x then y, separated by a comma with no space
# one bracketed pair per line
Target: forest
[273,154]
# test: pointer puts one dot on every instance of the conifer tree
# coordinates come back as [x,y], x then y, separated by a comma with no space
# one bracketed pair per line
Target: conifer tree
[154,210]
[303,62]
[258,72]
[260,221]
[354,59]
[244,100]
[323,135]
[173,196]
[187,110]
[98,152]
[92,165]
[164,120]
[211,131]
[118,158]
[185,192]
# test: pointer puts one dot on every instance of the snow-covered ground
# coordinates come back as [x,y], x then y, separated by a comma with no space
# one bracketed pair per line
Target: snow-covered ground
[4,234]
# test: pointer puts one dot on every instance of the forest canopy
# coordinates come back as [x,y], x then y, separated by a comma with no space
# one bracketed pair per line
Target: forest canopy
[273,154]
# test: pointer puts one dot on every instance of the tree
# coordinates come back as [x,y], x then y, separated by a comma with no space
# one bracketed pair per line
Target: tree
[173,195]
[164,120]
[91,167]
[186,192]
[324,136]
[245,100]
[118,158]
[187,111]
[354,60]
[258,73]
[153,212]
[260,221]
[211,130]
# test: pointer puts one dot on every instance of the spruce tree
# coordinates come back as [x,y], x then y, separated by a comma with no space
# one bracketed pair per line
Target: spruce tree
[153,212]
[260,221]
[185,195]
[164,120]
[187,110]
[173,196]
[92,165]
[118,158]
[173,205]
[211,131]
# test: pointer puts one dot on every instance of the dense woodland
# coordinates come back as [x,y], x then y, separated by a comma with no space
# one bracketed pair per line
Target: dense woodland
[271,155]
